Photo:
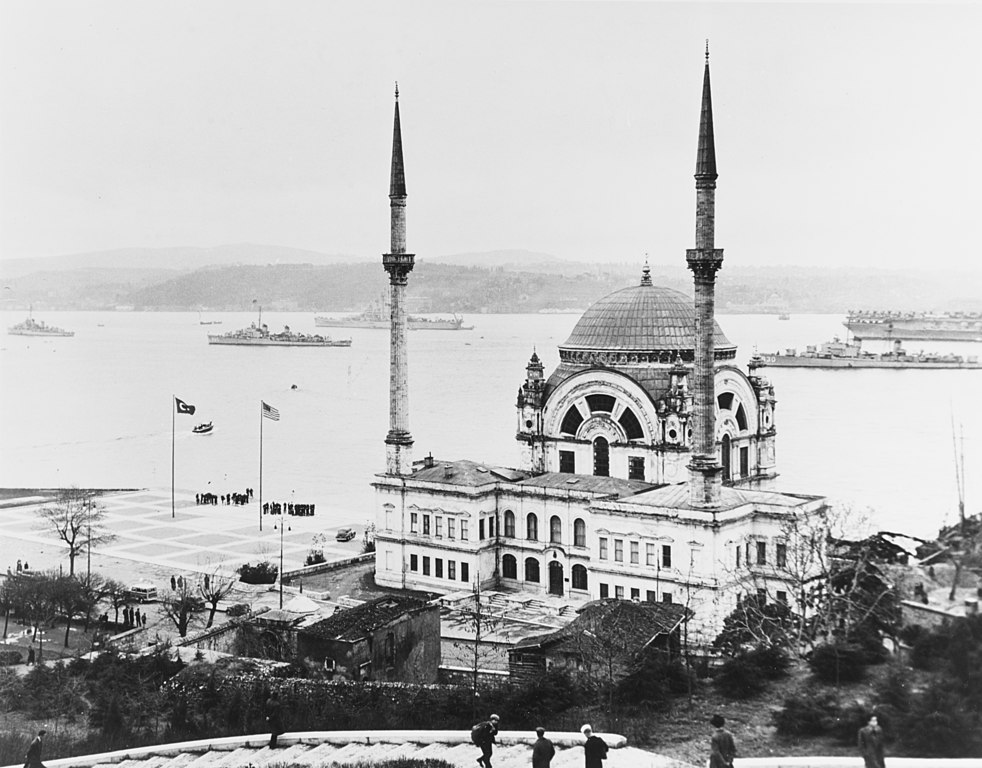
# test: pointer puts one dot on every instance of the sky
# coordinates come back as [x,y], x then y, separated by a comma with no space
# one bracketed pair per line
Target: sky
[846,135]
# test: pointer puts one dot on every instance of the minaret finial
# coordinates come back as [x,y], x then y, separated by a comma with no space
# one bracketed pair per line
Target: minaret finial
[397,82]
[707,61]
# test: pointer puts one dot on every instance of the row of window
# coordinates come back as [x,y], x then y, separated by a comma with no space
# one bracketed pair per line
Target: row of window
[651,553]
[509,570]
[601,462]
[757,554]
[650,595]
[437,563]
[433,525]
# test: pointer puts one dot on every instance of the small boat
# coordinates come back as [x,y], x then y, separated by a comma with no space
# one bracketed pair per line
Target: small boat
[203,429]
[784,316]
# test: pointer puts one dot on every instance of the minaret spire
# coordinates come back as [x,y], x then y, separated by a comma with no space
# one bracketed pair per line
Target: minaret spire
[398,263]
[705,260]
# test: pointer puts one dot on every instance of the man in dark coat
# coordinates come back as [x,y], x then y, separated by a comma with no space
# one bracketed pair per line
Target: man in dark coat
[542,751]
[871,744]
[595,749]
[274,717]
[722,748]
[484,734]
[33,759]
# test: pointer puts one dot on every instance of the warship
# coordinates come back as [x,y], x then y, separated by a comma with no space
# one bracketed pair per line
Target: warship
[377,316]
[840,354]
[258,335]
[31,327]
[915,326]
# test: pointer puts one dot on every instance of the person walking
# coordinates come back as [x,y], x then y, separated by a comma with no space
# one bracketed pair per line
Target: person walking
[542,751]
[33,759]
[274,716]
[870,740]
[595,748]
[483,735]
[722,748]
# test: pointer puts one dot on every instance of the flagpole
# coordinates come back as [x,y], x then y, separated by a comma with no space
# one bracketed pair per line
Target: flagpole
[260,465]
[173,429]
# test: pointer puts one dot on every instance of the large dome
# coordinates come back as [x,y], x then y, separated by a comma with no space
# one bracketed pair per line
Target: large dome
[643,318]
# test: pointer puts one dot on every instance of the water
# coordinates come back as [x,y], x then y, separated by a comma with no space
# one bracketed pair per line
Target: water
[96,410]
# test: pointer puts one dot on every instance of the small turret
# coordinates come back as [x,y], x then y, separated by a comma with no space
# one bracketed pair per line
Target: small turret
[531,397]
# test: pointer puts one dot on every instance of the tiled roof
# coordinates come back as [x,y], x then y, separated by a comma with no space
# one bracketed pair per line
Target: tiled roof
[325,748]
[606,485]
[641,318]
[677,497]
[353,624]
[465,472]
[634,623]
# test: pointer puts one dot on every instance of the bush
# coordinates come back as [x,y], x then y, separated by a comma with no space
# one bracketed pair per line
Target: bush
[260,573]
[314,557]
[808,715]
[654,681]
[740,678]
[838,662]
[10,657]
[939,724]
[771,661]
[239,609]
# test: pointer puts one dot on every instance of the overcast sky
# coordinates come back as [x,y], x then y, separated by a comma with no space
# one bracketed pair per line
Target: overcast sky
[845,134]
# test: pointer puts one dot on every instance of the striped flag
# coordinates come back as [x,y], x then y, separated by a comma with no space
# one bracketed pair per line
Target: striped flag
[269,412]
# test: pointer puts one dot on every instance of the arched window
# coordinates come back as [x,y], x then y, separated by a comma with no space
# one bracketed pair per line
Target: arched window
[532,527]
[555,530]
[509,567]
[509,524]
[531,569]
[579,577]
[579,533]
[571,421]
[726,456]
[601,457]
[632,427]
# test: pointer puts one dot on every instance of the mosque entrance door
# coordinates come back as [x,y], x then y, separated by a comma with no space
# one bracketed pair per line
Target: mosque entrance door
[555,577]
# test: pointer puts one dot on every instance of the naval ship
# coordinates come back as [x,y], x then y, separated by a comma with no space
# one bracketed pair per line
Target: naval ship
[31,327]
[258,335]
[377,316]
[915,326]
[840,354]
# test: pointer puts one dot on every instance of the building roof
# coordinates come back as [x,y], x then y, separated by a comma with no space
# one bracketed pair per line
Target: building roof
[314,749]
[465,472]
[642,318]
[677,497]
[630,623]
[352,624]
[587,483]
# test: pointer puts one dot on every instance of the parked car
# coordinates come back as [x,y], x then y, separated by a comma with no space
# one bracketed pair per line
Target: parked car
[346,534]
[143,593]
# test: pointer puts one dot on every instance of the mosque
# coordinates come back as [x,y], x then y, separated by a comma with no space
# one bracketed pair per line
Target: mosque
[645,457]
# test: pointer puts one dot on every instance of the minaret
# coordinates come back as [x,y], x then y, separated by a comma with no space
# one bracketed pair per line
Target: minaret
[398,263]
[704,260]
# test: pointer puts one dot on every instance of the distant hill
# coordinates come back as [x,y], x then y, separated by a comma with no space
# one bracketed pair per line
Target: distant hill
[514,259]
[182,258]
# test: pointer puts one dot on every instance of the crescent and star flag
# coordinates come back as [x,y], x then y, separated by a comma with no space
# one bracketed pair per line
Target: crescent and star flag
[183,407]
[269,412]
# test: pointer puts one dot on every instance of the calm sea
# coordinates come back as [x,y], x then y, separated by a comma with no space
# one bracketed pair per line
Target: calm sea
[96,410]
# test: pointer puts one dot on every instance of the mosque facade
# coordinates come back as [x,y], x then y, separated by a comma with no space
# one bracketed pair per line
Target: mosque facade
[645,457]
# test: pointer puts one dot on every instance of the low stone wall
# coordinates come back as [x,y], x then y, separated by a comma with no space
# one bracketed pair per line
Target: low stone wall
[309,570]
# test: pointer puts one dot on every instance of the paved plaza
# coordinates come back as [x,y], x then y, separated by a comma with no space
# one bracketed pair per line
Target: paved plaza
[151,544]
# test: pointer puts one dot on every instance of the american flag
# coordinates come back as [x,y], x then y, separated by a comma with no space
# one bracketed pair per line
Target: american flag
[269,412]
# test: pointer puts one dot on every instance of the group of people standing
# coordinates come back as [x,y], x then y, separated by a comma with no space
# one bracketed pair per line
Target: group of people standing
[483,735]
[288,508]
[227,499]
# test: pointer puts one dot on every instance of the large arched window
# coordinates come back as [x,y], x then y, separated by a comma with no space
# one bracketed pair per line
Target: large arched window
[509,567]
[509,524]
[726,452]
[555,530]
[531,569]
[579,533]
[601,457]
[579,577]
[532,527]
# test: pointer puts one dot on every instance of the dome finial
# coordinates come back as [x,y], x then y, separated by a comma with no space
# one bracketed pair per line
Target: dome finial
[645,271]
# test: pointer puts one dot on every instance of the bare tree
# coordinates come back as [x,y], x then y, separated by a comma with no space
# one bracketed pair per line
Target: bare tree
[116,595]
[181,606]
[478,621]
[78,521]
[213,589]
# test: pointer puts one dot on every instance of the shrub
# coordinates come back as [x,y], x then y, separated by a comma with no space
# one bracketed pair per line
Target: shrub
[807,715]
[260,573]
[771,661]
[939,724]
[655,679]
[239,609]
[314,557]
[838,662]
[740,678]
[10,657]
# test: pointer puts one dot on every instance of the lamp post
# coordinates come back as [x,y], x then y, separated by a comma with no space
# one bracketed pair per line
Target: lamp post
[282,527]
